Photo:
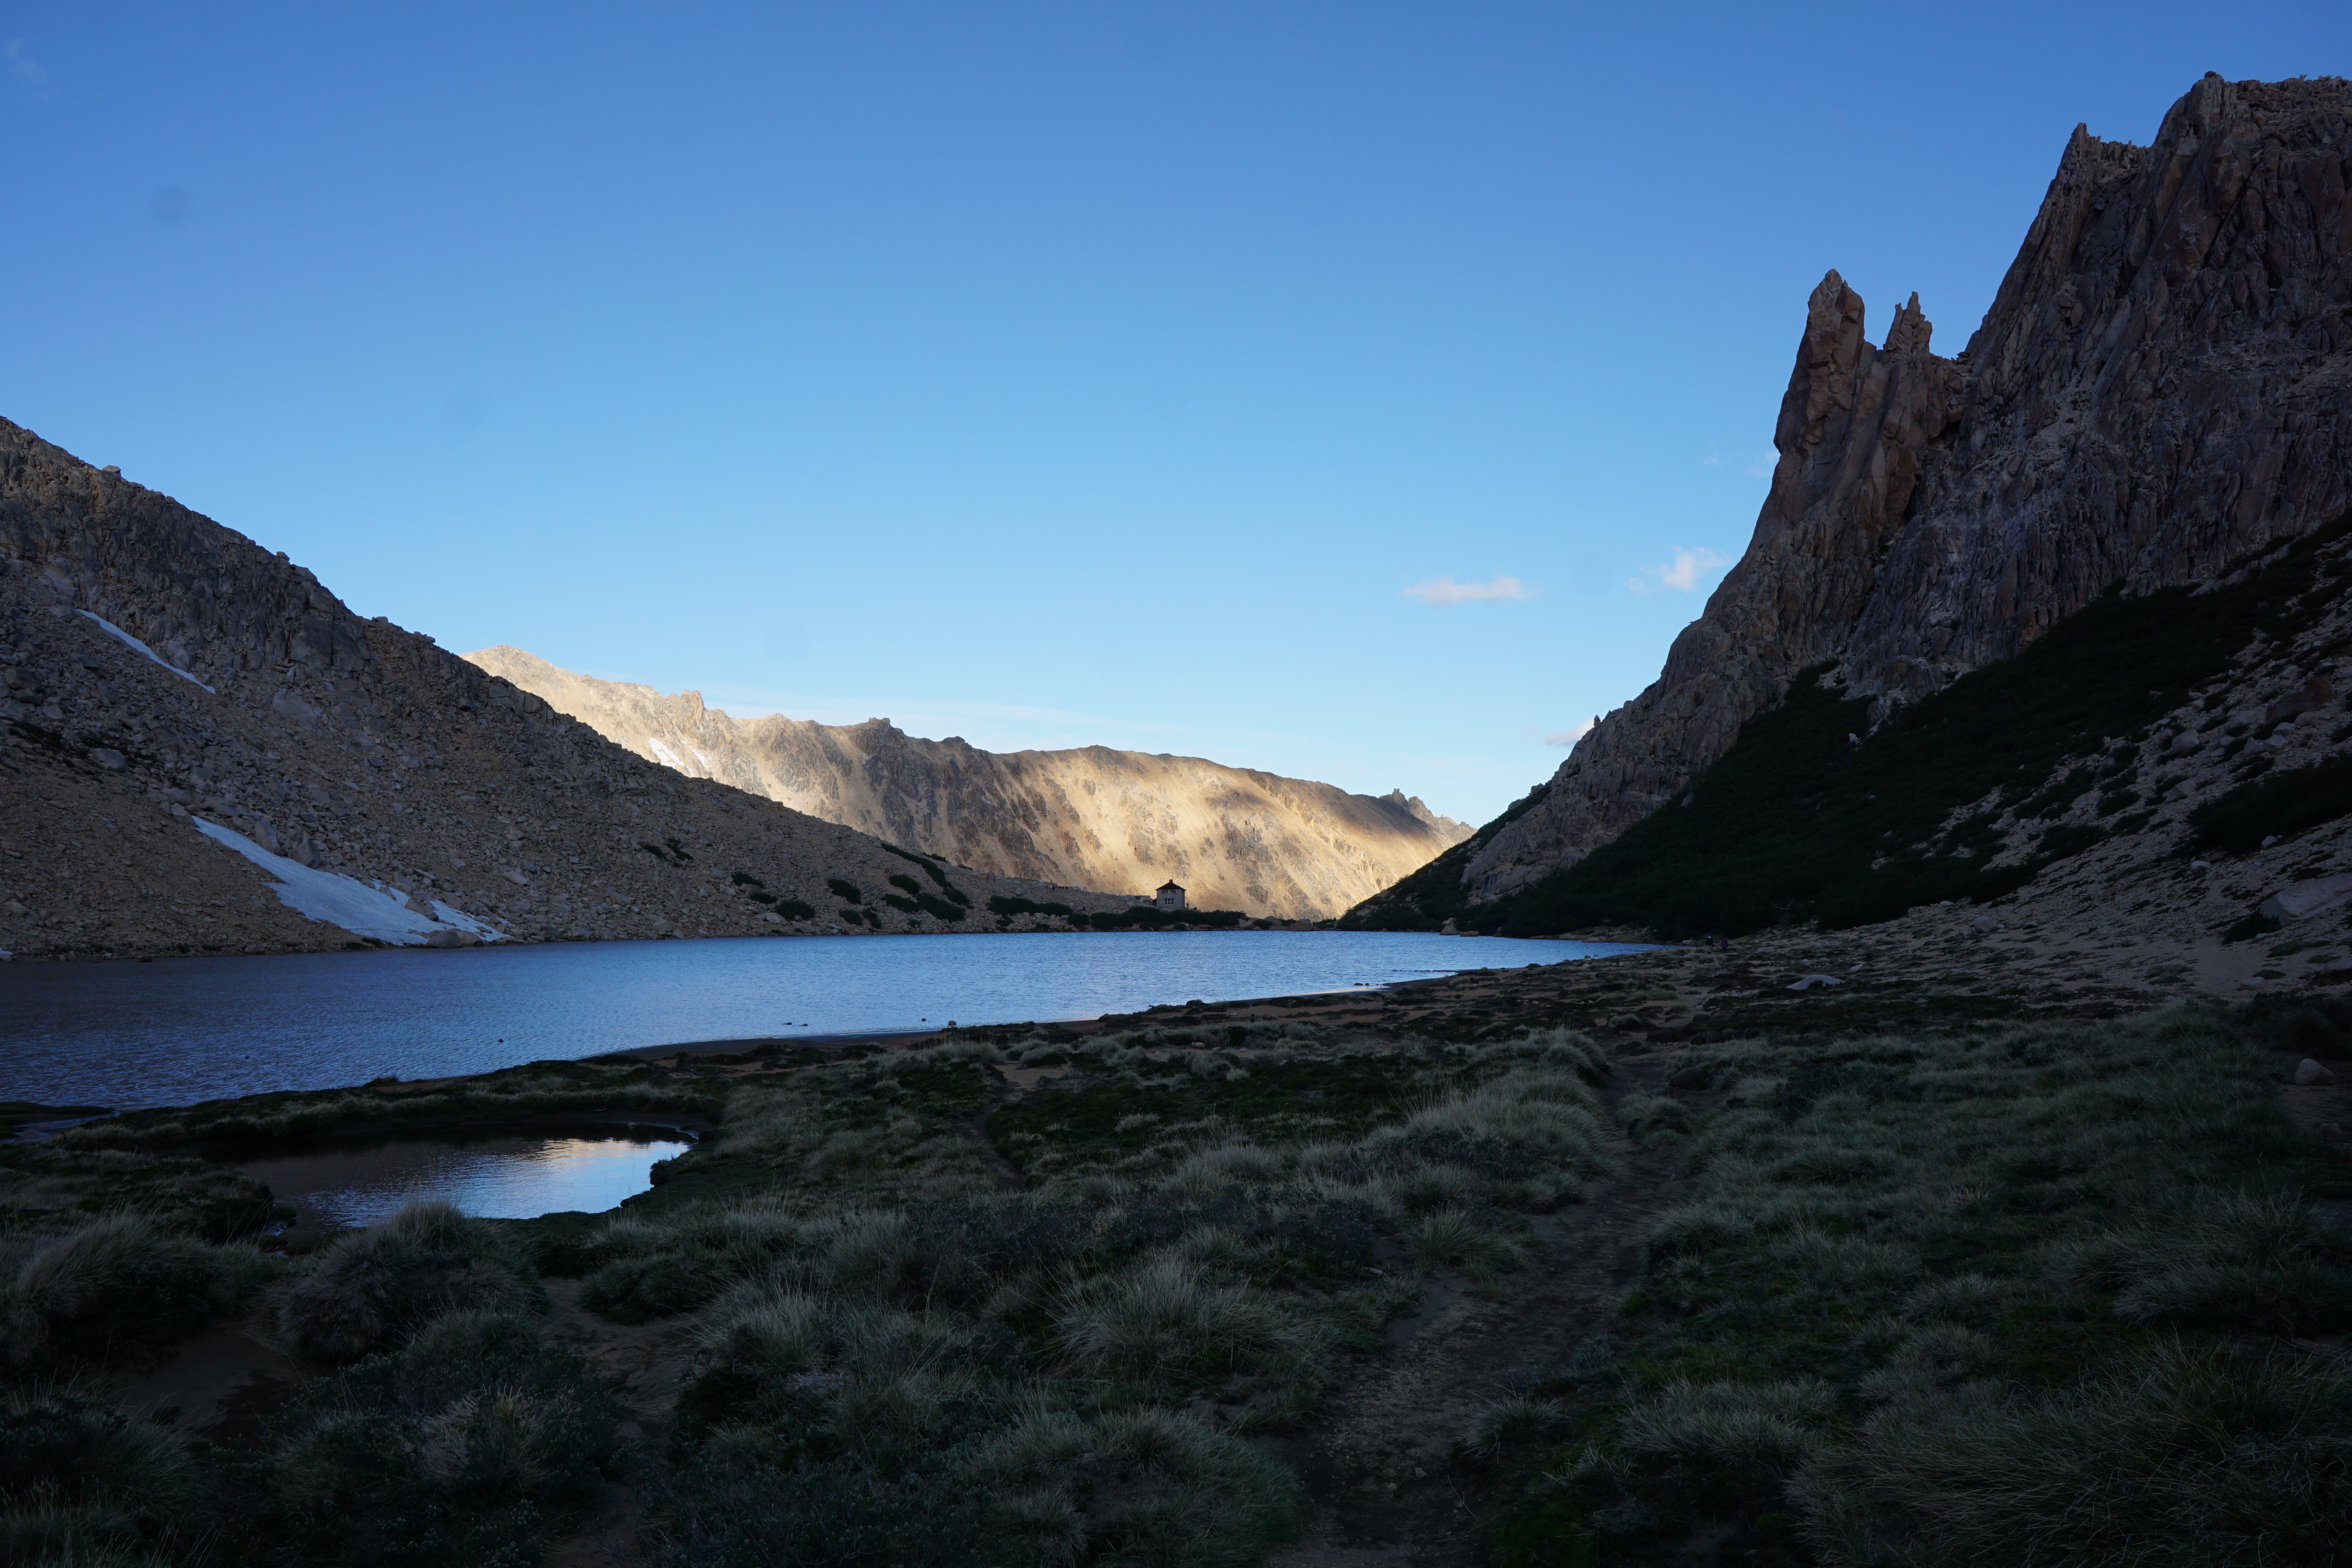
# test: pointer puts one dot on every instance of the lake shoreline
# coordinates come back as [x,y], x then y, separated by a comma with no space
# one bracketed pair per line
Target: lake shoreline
[172,1032]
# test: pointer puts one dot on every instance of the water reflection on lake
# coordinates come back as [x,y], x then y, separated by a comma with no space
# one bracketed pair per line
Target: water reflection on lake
[491,1176]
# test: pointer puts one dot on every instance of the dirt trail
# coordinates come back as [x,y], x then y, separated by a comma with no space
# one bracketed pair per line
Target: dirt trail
[646,1365]
[1382,1486]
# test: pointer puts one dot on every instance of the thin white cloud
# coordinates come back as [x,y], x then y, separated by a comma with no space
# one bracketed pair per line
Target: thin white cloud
[1446,591]
[1682,574]
[1762,469]
[29,71]
[1571,737]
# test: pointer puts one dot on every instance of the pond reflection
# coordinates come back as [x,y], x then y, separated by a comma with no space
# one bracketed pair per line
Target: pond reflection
[510,1175]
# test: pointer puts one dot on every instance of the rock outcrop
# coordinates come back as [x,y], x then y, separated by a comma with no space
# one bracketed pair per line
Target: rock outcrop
[1112,821]
[2162,387]
[158,669]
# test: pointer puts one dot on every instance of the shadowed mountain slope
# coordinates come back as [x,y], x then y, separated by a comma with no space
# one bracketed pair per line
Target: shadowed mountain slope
[2160,397]
[378,773]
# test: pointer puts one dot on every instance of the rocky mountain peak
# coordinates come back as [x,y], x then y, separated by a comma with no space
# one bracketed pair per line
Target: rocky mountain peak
[2162,386]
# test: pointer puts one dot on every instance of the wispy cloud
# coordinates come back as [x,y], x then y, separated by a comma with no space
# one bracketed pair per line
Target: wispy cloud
[1571,737]
[1446,591]
[24,68]
[1682,574]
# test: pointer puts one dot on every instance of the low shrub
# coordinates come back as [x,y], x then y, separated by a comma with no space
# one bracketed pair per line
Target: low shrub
[1900,1257]
[119,1286]
[1649,1116]
[2226,1259]
[1511,1422]
[84,1483]
[847,891]
[1733,1425]
[2178,1454]
[795,910]
[2283,803]
[1141,1486]
[817,1380]
[371,1289]
[461,1447]
[657,1267]
[1009,906]
[1165,1324]
[734,1506]
[1451,1238]
[1145,917]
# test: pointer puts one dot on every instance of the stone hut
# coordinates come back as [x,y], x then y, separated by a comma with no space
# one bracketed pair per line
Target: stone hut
[1170,895]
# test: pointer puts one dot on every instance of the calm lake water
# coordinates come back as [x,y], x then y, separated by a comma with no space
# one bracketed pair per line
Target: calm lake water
[182,1029]
[495,1176]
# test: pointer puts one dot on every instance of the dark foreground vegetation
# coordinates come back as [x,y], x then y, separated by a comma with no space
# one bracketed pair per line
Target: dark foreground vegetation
[1814,817]
[2041,1293]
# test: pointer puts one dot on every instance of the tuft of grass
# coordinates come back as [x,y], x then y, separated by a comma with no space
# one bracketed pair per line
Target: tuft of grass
[1164,1323]
[1453,1238]
[2263,1261]
[1648,1116]
[120,1288]
[1903,1266]
[460,1447]
[2178,1454]
[1732,1425]
[1512,1422]
[369,1289]
[85,1484]
[732,1506]
[1142,1487]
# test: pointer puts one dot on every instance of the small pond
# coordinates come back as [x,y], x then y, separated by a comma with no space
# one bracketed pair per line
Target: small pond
[496,1173]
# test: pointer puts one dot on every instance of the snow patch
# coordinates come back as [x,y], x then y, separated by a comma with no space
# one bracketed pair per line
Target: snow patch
[110,629]
[664,756]
[346,901]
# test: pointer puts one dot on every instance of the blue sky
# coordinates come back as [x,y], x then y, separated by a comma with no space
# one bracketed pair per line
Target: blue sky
[1154,376]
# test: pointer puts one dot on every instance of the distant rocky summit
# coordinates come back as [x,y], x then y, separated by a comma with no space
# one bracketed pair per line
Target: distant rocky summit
[202,750]
[2160,394]
[1111,821]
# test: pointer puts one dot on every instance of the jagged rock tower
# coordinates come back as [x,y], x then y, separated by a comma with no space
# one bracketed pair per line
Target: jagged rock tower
[2161,385]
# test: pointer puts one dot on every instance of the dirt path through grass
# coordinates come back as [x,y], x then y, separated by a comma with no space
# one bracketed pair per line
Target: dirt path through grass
[1382,1480]
[646,1365]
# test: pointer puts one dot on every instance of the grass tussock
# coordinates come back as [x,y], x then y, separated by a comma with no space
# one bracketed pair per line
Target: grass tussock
[371,1289]
[2177,1454]
[83,1483]
[892,1346]
[461,1447]
[1145,1487]
[2261,1260]
[1999,1291]
[118,1289]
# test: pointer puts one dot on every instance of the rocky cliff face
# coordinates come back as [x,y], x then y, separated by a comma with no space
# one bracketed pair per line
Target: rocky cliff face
[2162,386]
[1116,822]
[406,780]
